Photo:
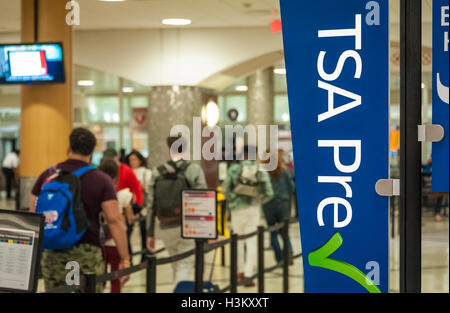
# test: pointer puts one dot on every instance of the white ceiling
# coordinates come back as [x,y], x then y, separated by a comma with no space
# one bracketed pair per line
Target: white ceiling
[138,14]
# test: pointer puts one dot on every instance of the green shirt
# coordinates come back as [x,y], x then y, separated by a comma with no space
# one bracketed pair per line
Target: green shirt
[237,202]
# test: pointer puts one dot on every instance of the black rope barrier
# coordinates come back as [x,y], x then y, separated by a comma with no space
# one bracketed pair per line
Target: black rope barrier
[88,282]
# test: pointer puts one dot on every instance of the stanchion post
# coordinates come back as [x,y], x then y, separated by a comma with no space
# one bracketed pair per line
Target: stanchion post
[151,273]
[233,263]
[199,264]
[286,256]
[223,217]
[91,282]
[261,259]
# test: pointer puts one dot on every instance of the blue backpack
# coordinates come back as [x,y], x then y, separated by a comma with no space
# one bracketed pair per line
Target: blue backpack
[60,202]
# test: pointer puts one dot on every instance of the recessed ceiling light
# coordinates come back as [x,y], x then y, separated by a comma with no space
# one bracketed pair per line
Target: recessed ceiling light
[176,21]
[127,89]
[280,71]
[85,83]
[241,88]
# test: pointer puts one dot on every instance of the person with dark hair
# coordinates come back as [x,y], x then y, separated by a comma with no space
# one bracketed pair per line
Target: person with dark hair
[164,198]
[97,196]
[123,156]
[9,168]
[246,187]
[278,209]
[124,196]
[139,165]
[127,179]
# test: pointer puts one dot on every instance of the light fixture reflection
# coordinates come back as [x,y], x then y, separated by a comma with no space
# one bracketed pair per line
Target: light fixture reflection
[241,88]
[280,71]
[211,114]
[176,21]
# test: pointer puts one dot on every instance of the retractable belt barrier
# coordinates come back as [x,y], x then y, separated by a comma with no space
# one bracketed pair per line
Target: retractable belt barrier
[89,281]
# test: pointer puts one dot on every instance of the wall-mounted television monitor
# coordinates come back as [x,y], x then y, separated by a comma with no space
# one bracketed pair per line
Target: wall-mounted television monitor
[32,63]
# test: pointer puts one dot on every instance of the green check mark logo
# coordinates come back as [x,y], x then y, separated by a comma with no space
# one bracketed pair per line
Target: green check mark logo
[320,258]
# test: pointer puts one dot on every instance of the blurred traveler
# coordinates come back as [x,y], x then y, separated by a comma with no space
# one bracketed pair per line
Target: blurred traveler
[123,156]
[9,168]
[246,188]
[439,196]
[164,200]
[278,209]
[112,256]
[127,179]
[97,195]
[139,165]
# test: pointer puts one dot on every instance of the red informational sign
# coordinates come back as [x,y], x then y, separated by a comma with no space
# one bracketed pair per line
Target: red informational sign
[139,118]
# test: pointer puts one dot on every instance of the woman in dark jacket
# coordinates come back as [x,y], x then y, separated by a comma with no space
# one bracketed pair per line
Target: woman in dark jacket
[278,209]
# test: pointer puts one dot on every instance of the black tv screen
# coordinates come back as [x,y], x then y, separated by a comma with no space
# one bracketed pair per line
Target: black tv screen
[31,63]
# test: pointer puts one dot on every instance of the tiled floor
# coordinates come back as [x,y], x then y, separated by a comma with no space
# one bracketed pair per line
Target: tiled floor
[435,262]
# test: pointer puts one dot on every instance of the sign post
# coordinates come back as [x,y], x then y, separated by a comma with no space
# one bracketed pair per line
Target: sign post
[440,169]
[199,222]
[337,62]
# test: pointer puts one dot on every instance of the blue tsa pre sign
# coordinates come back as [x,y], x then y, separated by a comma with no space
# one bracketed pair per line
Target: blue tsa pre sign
[337,62]
[440,93]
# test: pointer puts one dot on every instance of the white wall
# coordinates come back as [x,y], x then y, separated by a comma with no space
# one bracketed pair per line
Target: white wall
[171,57]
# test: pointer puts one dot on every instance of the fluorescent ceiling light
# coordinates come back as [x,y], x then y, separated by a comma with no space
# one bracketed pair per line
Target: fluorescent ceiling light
[127,89]
[241,88]
[176,21]
[280,71]
[85,83]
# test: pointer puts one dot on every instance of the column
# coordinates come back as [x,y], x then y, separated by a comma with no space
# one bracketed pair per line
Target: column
[260,97]
[170,106]
[46,110]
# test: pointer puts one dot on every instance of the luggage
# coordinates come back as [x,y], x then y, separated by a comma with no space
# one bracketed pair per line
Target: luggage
[248,183]
[189,286]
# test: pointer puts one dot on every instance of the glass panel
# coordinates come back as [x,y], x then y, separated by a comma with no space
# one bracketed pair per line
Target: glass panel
[103,109]
[139,141]
[281,109]
[133,102]
[237,102]
[107,137]
[279,83]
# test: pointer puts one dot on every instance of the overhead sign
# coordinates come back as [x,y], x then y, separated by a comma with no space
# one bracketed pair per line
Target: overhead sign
[440,168]
[337,62]
[199,214]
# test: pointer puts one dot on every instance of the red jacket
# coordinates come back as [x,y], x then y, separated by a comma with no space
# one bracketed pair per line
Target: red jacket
[127,179]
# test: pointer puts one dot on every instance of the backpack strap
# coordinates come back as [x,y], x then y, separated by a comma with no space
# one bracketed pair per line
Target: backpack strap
[162,170]
[81,171]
